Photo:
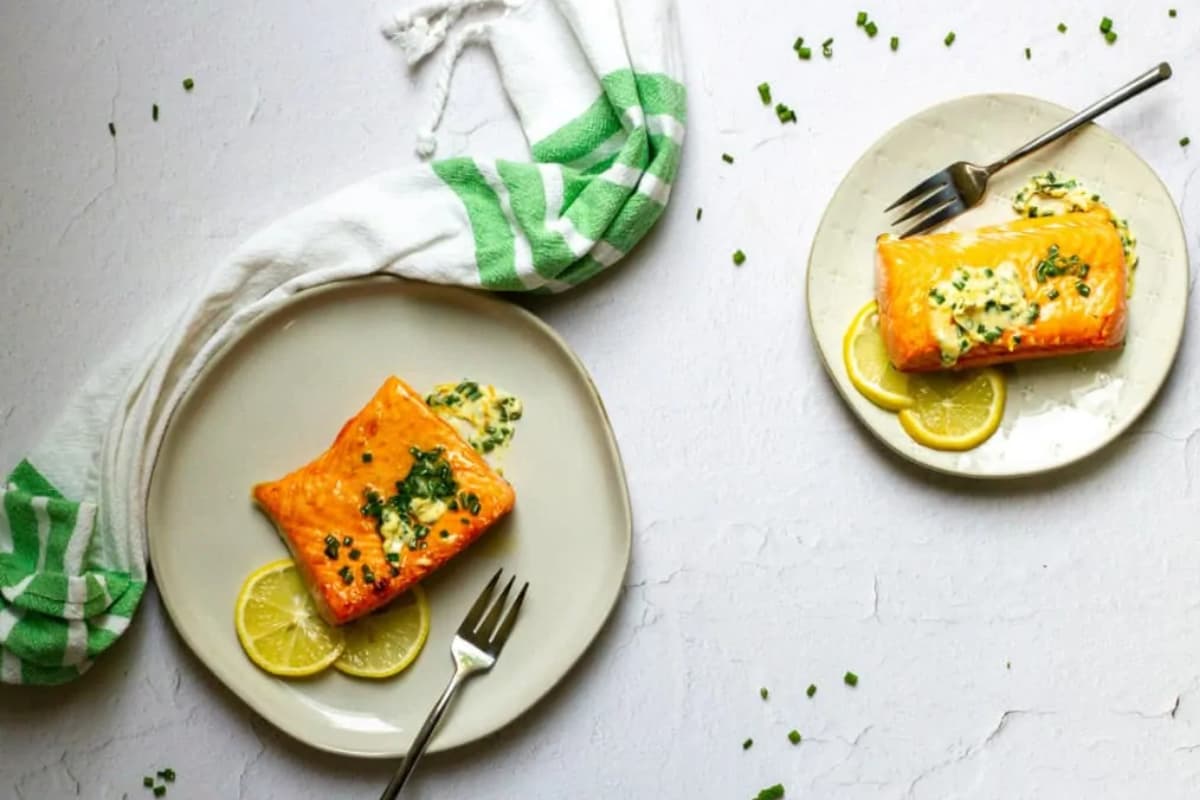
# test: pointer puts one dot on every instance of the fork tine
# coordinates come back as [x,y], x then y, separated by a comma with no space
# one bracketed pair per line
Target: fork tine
[926,186]
[488,625]
[472,618]
[933,220]
[934,202]
[506,625]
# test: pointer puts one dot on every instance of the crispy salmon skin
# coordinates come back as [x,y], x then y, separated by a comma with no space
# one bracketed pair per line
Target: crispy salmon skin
[1029,288]
[396,496]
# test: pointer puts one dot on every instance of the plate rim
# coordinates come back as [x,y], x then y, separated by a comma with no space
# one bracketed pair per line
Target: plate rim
[265,710]
[1117,431]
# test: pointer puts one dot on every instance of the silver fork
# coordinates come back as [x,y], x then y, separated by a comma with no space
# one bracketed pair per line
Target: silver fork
[961,185]
[475,649]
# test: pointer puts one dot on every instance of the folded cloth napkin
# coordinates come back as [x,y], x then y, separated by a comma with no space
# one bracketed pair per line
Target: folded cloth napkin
[598,88]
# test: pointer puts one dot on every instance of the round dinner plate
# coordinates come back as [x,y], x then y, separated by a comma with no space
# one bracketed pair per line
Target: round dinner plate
[277,397]
[1059,410]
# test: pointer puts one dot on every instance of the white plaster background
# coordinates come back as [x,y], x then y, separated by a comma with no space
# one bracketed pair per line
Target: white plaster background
[776,544]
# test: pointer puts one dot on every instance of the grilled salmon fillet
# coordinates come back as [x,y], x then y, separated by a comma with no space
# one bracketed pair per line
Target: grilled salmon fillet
[396,496]
[1030,288]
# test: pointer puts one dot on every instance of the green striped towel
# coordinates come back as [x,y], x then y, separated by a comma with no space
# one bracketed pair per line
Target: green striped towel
[598,88]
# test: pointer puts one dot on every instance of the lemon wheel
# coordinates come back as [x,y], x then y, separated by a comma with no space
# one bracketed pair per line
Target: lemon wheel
[384,643]
[868,366]
[278,624]
[954,411]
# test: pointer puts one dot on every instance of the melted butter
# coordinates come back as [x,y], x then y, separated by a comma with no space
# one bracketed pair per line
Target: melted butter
[427,511]
[1049,193]
[484,415]
[979,305]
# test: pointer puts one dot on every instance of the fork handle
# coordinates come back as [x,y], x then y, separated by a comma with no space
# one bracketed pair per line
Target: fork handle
[1131,89]
[423,736]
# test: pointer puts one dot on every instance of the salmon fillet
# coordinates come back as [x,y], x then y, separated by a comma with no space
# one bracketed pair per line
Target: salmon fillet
[1030,288]
[396,496]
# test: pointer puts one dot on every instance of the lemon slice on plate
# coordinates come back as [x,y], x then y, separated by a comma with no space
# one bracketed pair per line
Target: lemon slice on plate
[954,411]
[382,644]
[867,363]
[278,624]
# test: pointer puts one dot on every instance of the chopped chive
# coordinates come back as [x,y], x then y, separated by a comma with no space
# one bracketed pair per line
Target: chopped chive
[699,214]
[1028,54]
[746,745]
[395,557]
[811,690]
[794,736]
[159,791]
[1016,339]
[728,159]
[850,679]
[895,43]
[112,129]
[367,458]
[355,554]
[764,93]
[168,775]
[368,574]
[1106,25]
[827,47]
[346,575]
[1110,37]
[1062,27]
[763,693]
[1083,289]
[1052,294]
[804,53]
[147,781]
[1185,141]
[154,112]
[861,19]
[796,45]
[784,113]
[1171,13]
[771,793]
[739,257]
[188,84]
[871,28]
[347,541]
[950,37]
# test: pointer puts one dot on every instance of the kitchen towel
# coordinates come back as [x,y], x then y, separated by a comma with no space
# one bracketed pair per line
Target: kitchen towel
[598,90]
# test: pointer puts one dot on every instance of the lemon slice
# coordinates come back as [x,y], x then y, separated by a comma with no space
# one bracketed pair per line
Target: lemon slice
[382,644]
[867,363]
[278,624]
[954,411]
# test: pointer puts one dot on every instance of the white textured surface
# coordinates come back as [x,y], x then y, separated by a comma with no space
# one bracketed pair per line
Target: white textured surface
[776,543]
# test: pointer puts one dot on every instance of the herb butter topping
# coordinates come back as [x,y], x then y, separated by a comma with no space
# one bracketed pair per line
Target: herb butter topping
[979,305]
[482,414]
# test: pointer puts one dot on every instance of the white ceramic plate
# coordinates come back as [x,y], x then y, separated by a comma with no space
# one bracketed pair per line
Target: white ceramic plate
[277,397]
[1059,410]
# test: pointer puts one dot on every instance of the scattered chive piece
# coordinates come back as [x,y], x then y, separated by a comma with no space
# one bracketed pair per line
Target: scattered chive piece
[851,679]
[168,775]
[1083,289]
[1185,141]
[771,793]
[1008,665]
[950,37]
[796,45]
[1062,27]
[763,693]
[1172,13]
[764,93]
[347,541]
[147,781]
[355,554]
[728,159]
[154,112]
[804,53]
[1028,54]
[395,557]
[1110,37]
[739,258]
[699,214]
[812,689]
[159,791]
[895,43]
[746,745]
[794,736]
[1106,25]
[827,47]
[112,129]
[861,19]
[367,458]
[1052,294]
[188,84]
[784,113]
[871,28]
[346,575]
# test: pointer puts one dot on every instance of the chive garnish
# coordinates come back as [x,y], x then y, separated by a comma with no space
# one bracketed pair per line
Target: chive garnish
[347,541]
[739,258]
[861,19]
[784,113]
[950,37]
[812,689]
[355,554]
[159,791]
[368,574]
[154,112]
[895,43]
[1106,25]
[1185,141]
[871,28]
[1016,339]
[1062,27]
[804,53]
[346,575]
[728,159]
[1171,13]
[112,130]
[188,84]
[796,45]
[168,775]
[746,745]
[367,458]
[763,693]
[147,781]
[1028,54]
[850,679]
[1083,289]
[1110,37]
[1052,294]
[771,793]
[827,47]
[764,93]
[699,214]
[794,736]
